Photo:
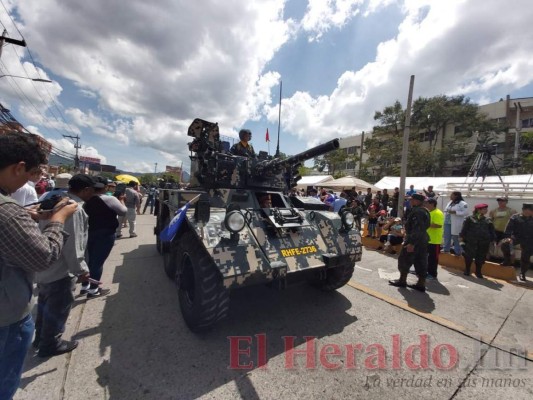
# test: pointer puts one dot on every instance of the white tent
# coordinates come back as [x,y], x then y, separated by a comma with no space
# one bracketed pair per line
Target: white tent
[313,180]
[517,188]
[348,182]
[514,185]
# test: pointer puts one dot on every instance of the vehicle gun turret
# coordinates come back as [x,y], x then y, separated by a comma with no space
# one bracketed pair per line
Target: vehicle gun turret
[212,165]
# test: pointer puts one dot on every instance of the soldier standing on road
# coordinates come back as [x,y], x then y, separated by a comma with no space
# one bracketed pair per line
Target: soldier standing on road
[414,249]
[243,148]
[519,230]
[477,233]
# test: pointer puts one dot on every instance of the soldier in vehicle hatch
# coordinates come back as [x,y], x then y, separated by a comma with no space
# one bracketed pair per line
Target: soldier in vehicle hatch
[414,250]
[243,148]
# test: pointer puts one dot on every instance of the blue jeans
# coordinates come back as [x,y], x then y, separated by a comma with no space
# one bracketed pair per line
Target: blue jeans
[99,245]
[53,308]
[150,200]
[15,340]
[448,237]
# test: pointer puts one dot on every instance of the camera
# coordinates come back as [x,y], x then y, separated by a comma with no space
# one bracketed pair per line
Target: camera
[51,202]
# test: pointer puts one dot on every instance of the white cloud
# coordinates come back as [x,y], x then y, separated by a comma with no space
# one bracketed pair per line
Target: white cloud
[118,130]
[67,146]
[187,59]
[133,166]
[448,46]
[321,15]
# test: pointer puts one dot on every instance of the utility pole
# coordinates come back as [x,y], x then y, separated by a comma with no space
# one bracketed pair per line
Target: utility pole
[76,146]
[155,168]
[361,154]
[518,129]
[405,147]
[6,39]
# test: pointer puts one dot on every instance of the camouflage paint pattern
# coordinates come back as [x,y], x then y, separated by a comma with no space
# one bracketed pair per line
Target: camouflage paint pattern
[266,248]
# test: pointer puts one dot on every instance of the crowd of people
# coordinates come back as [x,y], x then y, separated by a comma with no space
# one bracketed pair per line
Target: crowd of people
[55,236]
[426,231]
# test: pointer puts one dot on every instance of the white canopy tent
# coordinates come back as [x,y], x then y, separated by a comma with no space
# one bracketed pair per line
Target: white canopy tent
[517,188]
[348,182]
[513,185]
[313,180]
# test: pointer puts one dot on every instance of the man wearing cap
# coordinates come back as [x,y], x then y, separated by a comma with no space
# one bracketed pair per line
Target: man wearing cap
[243,148]
[500,217]
[476,234]
[414,249]
[56,284]
[519,230]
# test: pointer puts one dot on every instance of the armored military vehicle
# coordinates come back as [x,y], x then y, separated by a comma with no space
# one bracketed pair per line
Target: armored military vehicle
[230,237]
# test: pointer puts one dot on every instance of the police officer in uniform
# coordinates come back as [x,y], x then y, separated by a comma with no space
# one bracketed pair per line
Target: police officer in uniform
[519,230]
[414,249]
[243,148]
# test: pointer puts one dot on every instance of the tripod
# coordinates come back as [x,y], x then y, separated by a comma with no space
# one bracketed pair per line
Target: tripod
[481,166]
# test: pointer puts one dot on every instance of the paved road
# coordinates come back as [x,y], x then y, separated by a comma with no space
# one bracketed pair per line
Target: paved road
[365,340]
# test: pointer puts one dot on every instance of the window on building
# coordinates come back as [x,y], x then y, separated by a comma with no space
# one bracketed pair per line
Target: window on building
[527,123]
[352,149]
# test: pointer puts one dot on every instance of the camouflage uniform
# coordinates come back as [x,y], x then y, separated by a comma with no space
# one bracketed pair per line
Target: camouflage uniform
[520,230]
[239,150]
[477,233]
[416,234]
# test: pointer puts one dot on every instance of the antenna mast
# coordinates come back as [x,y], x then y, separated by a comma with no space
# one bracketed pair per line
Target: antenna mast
[279,116]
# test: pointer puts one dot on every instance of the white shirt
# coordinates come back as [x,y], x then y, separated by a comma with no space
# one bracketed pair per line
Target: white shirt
[25,195]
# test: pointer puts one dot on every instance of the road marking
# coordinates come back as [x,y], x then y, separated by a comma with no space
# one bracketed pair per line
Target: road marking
[462,286]
[434,318]
[384,274]
[361,268]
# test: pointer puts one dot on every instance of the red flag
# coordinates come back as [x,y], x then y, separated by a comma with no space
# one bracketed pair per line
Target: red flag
[267,137]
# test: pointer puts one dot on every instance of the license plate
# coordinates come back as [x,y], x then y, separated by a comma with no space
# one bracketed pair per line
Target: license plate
[298,251]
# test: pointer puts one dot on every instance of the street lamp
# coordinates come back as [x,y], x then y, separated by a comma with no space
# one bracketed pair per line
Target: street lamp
[25,77]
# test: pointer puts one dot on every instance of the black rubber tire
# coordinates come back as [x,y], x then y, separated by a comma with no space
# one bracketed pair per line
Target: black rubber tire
[335,278]
[162,247]
[169,264]
[204,300]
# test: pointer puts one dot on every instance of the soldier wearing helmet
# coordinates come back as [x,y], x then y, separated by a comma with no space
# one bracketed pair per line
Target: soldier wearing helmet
[243,148]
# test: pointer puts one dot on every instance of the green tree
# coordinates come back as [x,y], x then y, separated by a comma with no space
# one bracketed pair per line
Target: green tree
[148,179]
[330,161]
[430,119]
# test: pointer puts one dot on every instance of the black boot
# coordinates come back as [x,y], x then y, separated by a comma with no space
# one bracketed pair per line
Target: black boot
[468,263]
[522,276]
[478,271]
[420,285]
[402,282]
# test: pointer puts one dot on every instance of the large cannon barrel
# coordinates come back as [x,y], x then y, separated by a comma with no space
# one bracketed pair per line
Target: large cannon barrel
[313,152]
[264,168]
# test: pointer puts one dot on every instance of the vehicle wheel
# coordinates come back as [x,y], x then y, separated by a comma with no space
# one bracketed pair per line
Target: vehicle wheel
[335,278]
[170,257]
[162,247]
[203,298]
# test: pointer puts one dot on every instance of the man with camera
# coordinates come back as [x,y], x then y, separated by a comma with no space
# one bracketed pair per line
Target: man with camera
[24,250]
[56,284]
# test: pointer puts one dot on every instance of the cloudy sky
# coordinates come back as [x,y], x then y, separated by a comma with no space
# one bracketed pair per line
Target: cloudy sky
[130,76]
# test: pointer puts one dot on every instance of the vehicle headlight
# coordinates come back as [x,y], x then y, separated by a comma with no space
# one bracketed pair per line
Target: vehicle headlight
[234,221]
[347,219]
